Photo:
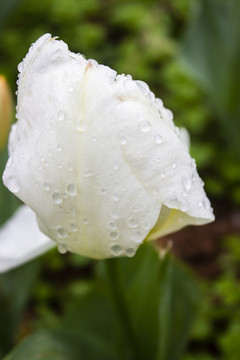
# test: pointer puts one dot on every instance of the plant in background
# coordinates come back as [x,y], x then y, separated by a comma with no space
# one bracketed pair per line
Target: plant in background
[98,159]
[6,110]
[100,162]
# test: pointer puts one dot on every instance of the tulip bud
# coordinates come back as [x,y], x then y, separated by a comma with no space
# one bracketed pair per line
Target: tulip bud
[97,156]
[6,110]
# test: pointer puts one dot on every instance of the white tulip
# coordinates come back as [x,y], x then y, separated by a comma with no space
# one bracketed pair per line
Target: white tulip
[97,157]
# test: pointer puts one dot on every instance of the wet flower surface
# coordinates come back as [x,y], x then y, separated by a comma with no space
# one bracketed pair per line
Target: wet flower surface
[97,157]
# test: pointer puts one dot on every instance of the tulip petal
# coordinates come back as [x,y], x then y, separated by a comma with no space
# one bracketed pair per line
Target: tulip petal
[87,155]
[158,154]
[21,240]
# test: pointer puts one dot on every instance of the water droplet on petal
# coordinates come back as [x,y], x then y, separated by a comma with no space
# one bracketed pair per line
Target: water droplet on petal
[85,221]
[57,199]
[59,148]
[130,252]
[113,235]
[116,166]
[174,164]
[158,139]
[146,126]
[103,191]
[61,115]
[138,237]
[187,183]
[206,203]
[116,250]
[46,186]
[88,173]
[20,66]
[132,223]
[61,232]
[115,197]
[71,189]
[13,184]
[112,225]
[73,227]
[123,140]
[62,248]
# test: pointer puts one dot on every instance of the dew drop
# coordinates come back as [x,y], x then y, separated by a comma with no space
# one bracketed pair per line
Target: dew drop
[85,221]
[130,252]
[174,164]
[20,66]
[13,184]
[71,189]
[9,163]
[62,248]
[187,183]
[132,223]
[112,225]
[88,173]
[46,186]
[116,215]
[137,235]
[123,140]
[61,232]
[146,126]
[113,235]
[103,191]
[158,139]
[115,197]
[206,203]
[59,148]
[73,227]
[61,115]
[116,250]
[115,166]
[57,199]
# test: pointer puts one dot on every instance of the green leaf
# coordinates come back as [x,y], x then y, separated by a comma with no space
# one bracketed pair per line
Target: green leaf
[179,303]
[138,308]
[15,288]
[212,52]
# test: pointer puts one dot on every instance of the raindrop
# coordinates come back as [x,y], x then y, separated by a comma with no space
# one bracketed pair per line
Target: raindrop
[113,235]
[123,140]
[116,250]
[85,221]
[12,184]
[146,225]
[61,232]
[206,203]
[158,139]
[146,126]
[20,66]
[137,236]
[115,197]
[132,223]
[70,167]
[70,90]
[73,227]
[142,86]
[46,186]
[62,248]
[61,115]
[112,225]
[116,166]
[130,252]
[129,85]
[174,164]
[71,189]
[116,215]
[94,139]
[59,148]
[103,191]
[57,199]
[9,163]
[187,183]
[88,173]
[163,174]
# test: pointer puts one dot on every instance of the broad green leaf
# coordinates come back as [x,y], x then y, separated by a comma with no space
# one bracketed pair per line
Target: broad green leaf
[211,50]
[179,296]
[15,288]
[138,308]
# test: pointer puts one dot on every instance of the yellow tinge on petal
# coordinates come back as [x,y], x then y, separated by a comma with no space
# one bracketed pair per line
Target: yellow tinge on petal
[6,110]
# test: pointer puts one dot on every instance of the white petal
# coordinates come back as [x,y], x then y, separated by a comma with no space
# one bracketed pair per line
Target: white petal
[21,240]
[83,150]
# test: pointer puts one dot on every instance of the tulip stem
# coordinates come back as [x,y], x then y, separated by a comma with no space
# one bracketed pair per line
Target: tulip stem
[118,297]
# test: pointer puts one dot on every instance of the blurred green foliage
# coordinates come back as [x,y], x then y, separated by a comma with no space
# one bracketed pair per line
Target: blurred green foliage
[148,39]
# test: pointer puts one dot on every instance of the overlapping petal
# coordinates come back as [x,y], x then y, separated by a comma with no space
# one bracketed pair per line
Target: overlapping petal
[21,240]
[97,157]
